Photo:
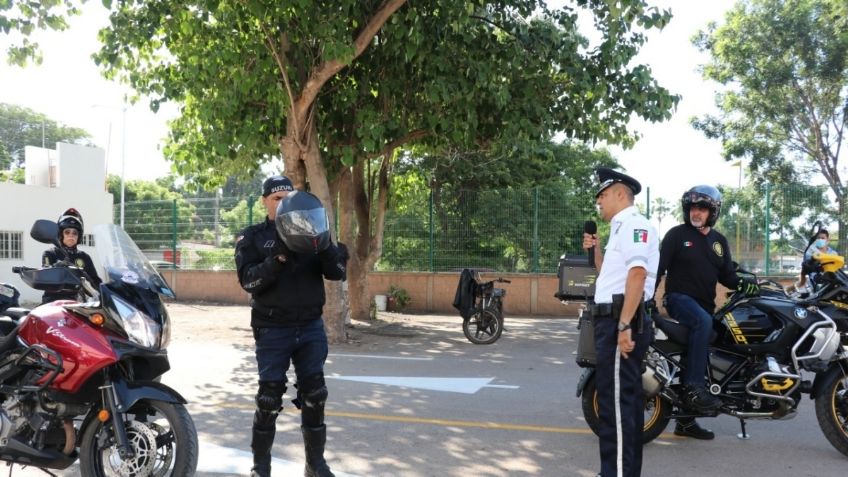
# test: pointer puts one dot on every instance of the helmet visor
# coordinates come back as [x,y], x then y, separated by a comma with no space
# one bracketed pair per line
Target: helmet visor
[303,222]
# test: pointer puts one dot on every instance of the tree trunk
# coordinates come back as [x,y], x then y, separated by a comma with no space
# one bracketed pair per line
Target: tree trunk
[301,157]
[357,275]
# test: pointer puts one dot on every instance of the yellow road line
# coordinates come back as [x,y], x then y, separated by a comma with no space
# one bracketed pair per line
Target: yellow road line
[454,423]
[437,422]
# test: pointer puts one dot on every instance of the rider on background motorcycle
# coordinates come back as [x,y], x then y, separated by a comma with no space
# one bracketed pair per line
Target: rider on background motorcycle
[821,246]
[70,233]
[694,257]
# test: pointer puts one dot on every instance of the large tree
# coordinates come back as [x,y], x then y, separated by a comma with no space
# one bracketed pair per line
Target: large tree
[785,65]
[335,84]
[21,127]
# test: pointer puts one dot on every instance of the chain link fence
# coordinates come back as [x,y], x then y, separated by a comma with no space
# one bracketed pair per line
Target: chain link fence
[519,231]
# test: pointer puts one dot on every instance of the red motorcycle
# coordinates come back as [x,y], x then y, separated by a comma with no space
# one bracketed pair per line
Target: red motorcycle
[79,379]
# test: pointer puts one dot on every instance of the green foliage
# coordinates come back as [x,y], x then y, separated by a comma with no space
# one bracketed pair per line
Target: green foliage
[218,259]
[15,175]
[23,17]
[661,209]
[21,127]
[399,298]
[489,216]
[237,218]
[148,213]
[459,73]
[785,63]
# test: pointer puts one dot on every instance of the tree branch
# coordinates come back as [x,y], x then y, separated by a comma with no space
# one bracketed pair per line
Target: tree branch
[376,249]
[279,58]
[327,69]
[392,145]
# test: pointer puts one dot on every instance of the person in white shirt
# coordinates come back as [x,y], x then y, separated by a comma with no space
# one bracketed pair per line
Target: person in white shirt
[622,327]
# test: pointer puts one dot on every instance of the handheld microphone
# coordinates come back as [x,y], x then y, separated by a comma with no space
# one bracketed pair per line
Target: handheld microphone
[591,228]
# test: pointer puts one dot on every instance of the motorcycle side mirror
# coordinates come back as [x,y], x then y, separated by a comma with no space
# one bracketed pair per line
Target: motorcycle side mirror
[45,231]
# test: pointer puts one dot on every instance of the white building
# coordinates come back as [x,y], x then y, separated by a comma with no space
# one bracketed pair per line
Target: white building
[69,176]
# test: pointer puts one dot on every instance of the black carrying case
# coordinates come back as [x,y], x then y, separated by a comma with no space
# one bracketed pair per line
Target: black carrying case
[576,278]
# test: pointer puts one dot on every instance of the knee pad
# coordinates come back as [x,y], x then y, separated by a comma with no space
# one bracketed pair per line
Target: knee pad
[312,391]
[269,398]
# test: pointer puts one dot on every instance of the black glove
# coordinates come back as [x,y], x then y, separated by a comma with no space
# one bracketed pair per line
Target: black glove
[277,255]
[334,253]
[343,252]
[748,286]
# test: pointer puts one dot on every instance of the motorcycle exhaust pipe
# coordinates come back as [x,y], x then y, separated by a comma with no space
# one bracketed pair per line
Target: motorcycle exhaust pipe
[652,384]
[70,437]
[751,415]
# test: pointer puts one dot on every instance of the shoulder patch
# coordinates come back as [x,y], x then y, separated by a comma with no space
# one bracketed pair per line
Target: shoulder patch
[717,248]
[640,235]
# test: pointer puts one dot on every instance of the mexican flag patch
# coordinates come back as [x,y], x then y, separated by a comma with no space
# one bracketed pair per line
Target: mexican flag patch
[640,235]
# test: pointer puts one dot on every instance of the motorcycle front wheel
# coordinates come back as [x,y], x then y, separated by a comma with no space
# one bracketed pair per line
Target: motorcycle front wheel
[832,410]
[162,437]
[657,412]
[483,327]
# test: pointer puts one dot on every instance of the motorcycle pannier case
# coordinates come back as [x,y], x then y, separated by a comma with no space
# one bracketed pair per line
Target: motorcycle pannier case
[586,357]
[576,278]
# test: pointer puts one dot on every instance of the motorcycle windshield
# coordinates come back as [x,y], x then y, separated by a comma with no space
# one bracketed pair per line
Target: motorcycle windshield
[123,261]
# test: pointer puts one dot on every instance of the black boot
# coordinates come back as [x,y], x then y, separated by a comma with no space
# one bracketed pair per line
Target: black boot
[263,439]
[701,399]
[689,428]
[314,439]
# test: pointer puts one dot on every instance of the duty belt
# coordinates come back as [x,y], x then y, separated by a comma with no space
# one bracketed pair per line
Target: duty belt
[601,310]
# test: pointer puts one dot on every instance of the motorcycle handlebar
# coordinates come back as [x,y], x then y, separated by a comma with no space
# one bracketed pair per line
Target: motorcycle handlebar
[21,269]
[503,280]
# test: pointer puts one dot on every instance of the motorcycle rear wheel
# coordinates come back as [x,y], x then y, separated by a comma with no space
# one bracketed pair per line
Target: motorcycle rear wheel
[657,412]
[483,327]
[832,410]
[163,438]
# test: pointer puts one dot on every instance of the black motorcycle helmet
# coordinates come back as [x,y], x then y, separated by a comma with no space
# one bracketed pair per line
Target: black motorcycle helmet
[302,223]
[70,219]
[705,196]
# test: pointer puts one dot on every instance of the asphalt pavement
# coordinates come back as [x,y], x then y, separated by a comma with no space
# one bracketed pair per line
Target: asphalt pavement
[410,397]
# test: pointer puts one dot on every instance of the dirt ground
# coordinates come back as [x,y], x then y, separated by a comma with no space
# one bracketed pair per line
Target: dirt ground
[230,324]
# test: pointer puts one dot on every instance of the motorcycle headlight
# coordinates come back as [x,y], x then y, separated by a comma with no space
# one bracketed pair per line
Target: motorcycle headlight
[166,332]
[140,328]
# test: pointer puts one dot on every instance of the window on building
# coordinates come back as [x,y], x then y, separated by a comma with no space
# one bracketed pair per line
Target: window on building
[11,245]
[87,239]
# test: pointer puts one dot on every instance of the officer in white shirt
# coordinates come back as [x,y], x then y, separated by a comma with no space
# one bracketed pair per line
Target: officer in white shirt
[622,327]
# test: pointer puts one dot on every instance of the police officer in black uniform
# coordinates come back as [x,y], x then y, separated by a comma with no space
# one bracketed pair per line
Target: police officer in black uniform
[695,256]
[287,299]
[70,233]
[622,327]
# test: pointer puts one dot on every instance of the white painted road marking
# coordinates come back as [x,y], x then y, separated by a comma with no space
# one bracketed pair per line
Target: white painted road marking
[451,385]
[213,459]
[225,460]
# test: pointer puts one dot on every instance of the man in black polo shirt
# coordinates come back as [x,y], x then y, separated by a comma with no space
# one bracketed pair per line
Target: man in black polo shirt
[695,257]
[287,298]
